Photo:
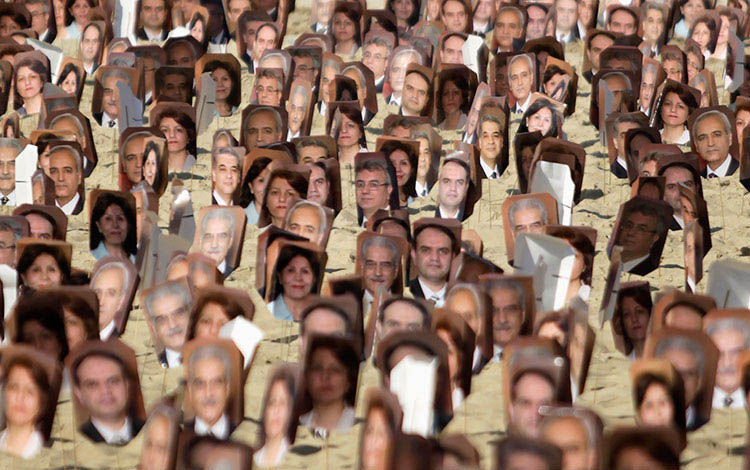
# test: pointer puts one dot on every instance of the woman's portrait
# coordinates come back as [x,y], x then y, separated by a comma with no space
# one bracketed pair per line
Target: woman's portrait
[672,110]
[112,225]
[658,394]
[276,425]
[542,116]
[705,32]
[252,191]
[177,122]
[460,342]
[198,24]
[298,272]
[80,314]
[349,131]
[631,318]
[39,323]
[43,264]
[31,73]
[215,307]
[583,266]
[285,181]
[381,429]
[694,59]
[688,13]
[404,156]
[71,78]
[76,17]
[453,97]
[346,29]
[430,146]
[225,71]
[155,166]
[406,12]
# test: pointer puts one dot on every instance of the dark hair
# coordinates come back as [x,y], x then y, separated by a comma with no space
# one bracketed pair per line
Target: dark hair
[286,256]
[286,376]
[32,251]
[81,309]
[132,408]
[353,114]
[151,146]
[551,71]
[513,444]
[642,297]
[535,107]
[67,70]
[69,5]
[45,216]
[583,244]
[413,18]
[344,355]
[295,180]
[186,122]
[455,244]
[559,320]
[460,81]
[35,65]
[230,306]
[353,11]
[41,380]
[256,168]
[389,147]
[676,392]
[235,96]
[46,310]
[103,202]
[713,28]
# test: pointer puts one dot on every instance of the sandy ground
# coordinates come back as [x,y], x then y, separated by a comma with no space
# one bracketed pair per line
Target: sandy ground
[717,445]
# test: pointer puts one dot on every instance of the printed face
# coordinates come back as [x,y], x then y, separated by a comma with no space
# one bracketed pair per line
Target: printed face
[712,139]
[532,391]
[398,71]
[7,169]
[656,408]
[597,45]
[520,79]
[278,410]
[296,108]
[23,398]
[43,272]
[208,389]
[375,57]
[527,220]
[490,140]
[327,378]
[463,303]
[343,28]
[569,434]
[176,87]
[262,129]
[132,162]
[39,18]
[212,317]
[453,186]
[454,16]
[635,319]
[507,315]
[28,83]
[379,269]
[102,388]
[156,444]
[372,190]
[507,28]
[535,23]
[111,96]
[415,94]
[90,42]
[279,193]
[305,222]
[638,234]
[400,316]
[225,175]
[377,440]
[109,285]
[217,238]
[622,21]
[113,225]
[75,331]
[297,278]
[432,255]
[686,364]
[176,134]
[452,52]
[39,227]
[730,342]
[170,317]
[319,186]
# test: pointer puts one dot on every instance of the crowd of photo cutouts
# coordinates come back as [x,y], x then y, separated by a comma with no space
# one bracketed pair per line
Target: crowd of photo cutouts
[173,171]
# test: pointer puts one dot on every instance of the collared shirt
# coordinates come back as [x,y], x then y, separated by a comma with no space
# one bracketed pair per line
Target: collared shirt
[683,139]
[252,214]
[628,265]
[219,200]
[379,81]
[33,444]
[457,396]
[722,170]
[395,101]
[421,190]
[680,221]
[622,162]
[107,331]
[259,457]
[279,309]
[497,353]
[438,297]
[290,136]
[690,283]
[11,199]
[444,215]
[581,30]
[220,429]
[108,121]
[70,206]
[722,399]
[114,436]
[565,38]
[477,358]
[489,171]
[153,37]
[521,108]
[174,358]
[346,421]
[321,28]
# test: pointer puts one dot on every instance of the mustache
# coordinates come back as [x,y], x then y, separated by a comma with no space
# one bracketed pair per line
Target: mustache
[175,331]
[6,176]
[501,326]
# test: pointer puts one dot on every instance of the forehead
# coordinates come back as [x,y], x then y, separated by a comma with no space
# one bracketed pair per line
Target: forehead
[262,117]
[567,427]
[305,213]
[219,223]
[519,64]
[227,158]
[416,78]
[62,157]
[109,275]
[452,169]
[99,363]
[710,122]
[510,14]
[433,235]
[641,216]
[370,174]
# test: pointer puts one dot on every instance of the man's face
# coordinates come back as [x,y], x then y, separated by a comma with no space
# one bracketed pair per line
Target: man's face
[176,87]
[379,269]
[638,234]
[463,303]
[730,342]
[208,389]
[321,321]
[653,25]
[217,239]
[262,129]
[156,444]
[597,45]
[319,186]
[532,391]
[507,27]
[236,8]
[569,434]
[454,16]
[673,69]
[400,316]
[676,176]
[304,67]
[296,107]
[39,18]
[375,58]
[507,315]
[225,175]
[520,79]
[133,158]
[648,83]
[432,255]
[111,97]
[535,23]
[398,71]
[102,388]
[265,39]
[153,14]
[90,43]
[7,169]
[527,220]
[305,222]
[65,174]
[712,139]
[312,154]
[687,366]
[415,93]
[623,22]
[7,248]
[181,55]
[567,15]
[372,190]
[453,186]
[171,317]
[109,286]
[39,227]
[452,52]
[619,141]
[490,140]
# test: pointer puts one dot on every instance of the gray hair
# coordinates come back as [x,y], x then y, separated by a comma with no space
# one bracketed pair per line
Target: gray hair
[210,351]
[331,63]
[380,41]
[411,51]
[10,225]
[525,204]
[74,152]
[114,264]
[699,79]
[216,214]
[303,203]
[115,73]
[515,9]
[375,165]
[515,58]
[512,285]
[225,151]
[281,56]
[358,72]
[713,112]
[381,242]
[45,4]
[733,324]
[177,258]
[276,115]
[14,144]
[615,74]
[466,287]
[75,120]
[299,89]
[164,290]
[681,343]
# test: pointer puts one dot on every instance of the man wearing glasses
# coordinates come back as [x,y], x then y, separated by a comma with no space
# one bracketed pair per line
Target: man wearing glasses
[373,187]
[168,312]
[380,262]
[10,233]
[527,215]
[638,233]
[375,57]
[216,237]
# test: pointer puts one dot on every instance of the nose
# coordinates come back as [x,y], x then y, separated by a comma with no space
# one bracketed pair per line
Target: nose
[379,270]
[214,242]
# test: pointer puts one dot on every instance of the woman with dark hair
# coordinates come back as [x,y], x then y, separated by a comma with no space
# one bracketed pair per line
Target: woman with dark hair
[695,61]
[296,275]
[631,318]
[429,157]
[453,102]
[406,11]
[459,339]
[583,266]
[69,79]
[345,28]
[729,24]
[77,17]
[690,10]
[179,129]
[349,133]
[554,326]
[28,81]
[278,406]
[27,401]
[282,185]
[10,128]
[113,228]
[541,116]
[80,320]
[659,401]
[405,164]
[151,166]
[42,265]
[210,313]
[705,32]
[381,428]
[227,87]
[197,28]
[39,323]
[673,113]
[253,189]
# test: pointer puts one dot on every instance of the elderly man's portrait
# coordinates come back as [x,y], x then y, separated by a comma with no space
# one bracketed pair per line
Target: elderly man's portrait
[262,125]
[714,139]
[577,432]
[309,220]
[527,213]
[9,150]
[72,122]
[12,229]
[106,386]
[219,235]
[693,253]
[641,229]
[105,106]
[522,80]
[380,259]
[66,172]
[167,306]
[513,308]
[161,432]
[298,108]
[730,332]
[114,281]
[45,222]
[212,369]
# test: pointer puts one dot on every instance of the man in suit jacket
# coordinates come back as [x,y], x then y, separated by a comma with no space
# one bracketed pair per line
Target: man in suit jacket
[433,248]
[453,185]
[66,170]
[209,364]
[153,16]
[638,234]
[712,135]
[167,307]
[401,314]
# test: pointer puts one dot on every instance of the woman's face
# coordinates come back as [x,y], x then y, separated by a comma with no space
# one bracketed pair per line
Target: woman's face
[349,133]
[692,10]
[433,10]
[42,339]
[674,111]
[43,272]
[75,332]
[551,330]
[656,408]
[258,185]
[149,167]
[223,83]
[635,319]
[113,225]
[70,84]
[343,27]
[540,121]
[327,378]
[377,441]
[23,398]
[425,157]
[80,11]
[742,121]
[278,410]
[451,98]
[28,83]
[724,29]
[177,136]
[454,362]
[59,12]
[693,65]
[400,161]
[197,31]
[297,278]
[279,193]
[403,9]
[211,319]
[701,35]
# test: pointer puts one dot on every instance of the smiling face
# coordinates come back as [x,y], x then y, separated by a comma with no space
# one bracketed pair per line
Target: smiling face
[297,278]
[43,272]
[28,83]
[379,269]
[113,225]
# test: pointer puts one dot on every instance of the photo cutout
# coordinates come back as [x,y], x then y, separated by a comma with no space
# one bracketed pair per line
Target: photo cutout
[269,87]
[131,151]
[67,191]
[366,94]
[676,309]
[455,332]
[635,143]
[299,108]
[72,121]
[282,295]
[470,301]
[214,307]
[560,82]
[641,229]
[694,208]
[454,95]
[276,426]
[613,91]
[71,77]
[210,452]
[309,220]
[115,282]
[649,376]
[383,415]
[26,99]
[167,308]
[720,159]
[225,71]
[481,93]
[219,235]
[526,213]
[172,83]
[90,366]
[666,443]
[382,262]
[161,433]
[262,125]
[107,103]
[226,168]
[45,222]
[516,294]
[580,347]
[78,307]
[113,226]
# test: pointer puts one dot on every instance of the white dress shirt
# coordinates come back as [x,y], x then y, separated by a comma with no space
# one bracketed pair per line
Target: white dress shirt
[107,331]
[521,108]
[445,215]
[421,190]
[219,200]
[497,353]
[346,421]
[395,101]
[33,444]
[623,163]
[113,436]
[108,121]
[722,399]
[438,297]
[70,206]
[684,138]
[153,37]
[11,198]
[680,221]
[259,457]
[487,170]
[628,265]
[722,170]
[174,358]
[220,429]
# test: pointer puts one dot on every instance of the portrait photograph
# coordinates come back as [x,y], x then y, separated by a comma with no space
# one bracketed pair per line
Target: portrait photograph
[45,222]
[112,218]
[167,309]
[219,235]
[174,83]
[105,104]
[73,121]
[275,434]
[526,213]
[115,282]
[214,306]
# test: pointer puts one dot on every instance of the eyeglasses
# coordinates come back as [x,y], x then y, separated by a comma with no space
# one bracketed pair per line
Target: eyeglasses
[373,185]
[3,246]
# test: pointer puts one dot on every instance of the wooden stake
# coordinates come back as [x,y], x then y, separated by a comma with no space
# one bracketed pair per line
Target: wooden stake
[723,222]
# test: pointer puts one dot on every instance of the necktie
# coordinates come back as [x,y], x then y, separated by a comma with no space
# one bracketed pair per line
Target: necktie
[493,175]
[112,123]
[434,298]
[728,401]
[713,175]
[4,200]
